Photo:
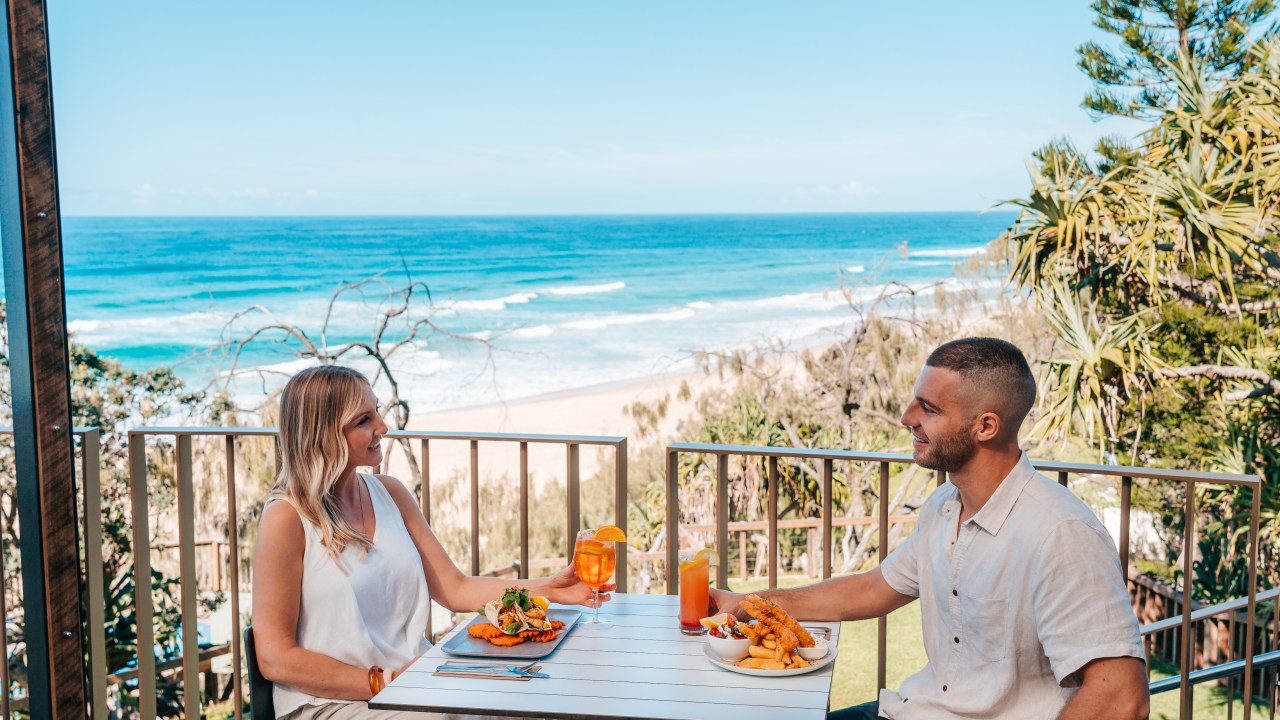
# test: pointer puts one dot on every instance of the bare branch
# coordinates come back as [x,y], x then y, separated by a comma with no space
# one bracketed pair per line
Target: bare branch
[1270,385]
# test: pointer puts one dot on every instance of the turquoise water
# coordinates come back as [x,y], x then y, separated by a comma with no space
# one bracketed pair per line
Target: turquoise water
[565,301]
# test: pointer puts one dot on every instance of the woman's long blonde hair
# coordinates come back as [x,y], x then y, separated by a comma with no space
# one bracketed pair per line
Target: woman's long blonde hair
[315,406]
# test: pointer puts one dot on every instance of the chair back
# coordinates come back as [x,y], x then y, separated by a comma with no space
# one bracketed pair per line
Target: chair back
[262,705]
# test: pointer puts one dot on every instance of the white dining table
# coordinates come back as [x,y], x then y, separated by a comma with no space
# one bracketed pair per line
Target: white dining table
[643,667]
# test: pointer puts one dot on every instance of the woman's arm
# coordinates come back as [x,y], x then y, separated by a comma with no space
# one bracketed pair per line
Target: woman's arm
[277,599]
[460,592]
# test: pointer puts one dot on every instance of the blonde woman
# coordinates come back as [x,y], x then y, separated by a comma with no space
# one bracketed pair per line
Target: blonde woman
[345,564]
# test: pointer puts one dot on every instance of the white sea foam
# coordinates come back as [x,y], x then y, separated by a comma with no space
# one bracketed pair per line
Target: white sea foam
[826,300]
[855,269]
[604,321]
[493,305]
[536,331]
[949,252]
[116,332]
[585,289]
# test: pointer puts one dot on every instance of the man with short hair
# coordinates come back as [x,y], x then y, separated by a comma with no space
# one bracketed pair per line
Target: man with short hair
[1024,610]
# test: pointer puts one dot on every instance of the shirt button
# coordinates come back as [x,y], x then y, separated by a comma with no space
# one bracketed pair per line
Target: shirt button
[957,640]
[954,593]
[944,688]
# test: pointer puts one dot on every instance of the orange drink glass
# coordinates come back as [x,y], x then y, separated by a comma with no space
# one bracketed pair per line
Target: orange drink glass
[594,561]
[695,577]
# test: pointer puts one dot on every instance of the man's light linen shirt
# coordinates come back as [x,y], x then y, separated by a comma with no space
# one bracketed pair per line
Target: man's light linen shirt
[1027,593]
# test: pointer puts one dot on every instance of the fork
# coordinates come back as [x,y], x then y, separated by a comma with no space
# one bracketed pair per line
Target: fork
[490,666]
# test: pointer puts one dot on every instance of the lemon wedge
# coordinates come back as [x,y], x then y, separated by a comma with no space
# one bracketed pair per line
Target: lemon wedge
[715,621]
[540,601]
[707,554]
[610,533]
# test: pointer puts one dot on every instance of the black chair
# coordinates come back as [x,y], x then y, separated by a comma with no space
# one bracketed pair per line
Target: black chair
[262,705]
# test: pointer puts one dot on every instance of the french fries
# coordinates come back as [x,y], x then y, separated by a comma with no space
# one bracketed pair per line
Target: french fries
[764,653]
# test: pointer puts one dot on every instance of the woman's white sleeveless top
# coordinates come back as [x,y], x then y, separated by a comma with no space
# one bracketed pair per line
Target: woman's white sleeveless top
[363,612]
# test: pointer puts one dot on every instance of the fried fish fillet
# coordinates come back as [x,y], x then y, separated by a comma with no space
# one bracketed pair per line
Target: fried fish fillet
[775,611]
[766,616]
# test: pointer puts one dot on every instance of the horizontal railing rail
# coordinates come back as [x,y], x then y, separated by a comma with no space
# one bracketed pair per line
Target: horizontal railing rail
[1219,672]
[182,438]
[1063,470]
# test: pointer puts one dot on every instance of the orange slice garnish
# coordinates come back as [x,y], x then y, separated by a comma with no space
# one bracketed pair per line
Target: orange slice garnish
[610,533]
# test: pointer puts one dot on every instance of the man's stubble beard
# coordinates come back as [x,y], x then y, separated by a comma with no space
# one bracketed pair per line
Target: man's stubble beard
[948,453]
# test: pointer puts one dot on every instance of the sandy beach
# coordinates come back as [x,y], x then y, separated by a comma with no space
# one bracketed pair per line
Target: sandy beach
[599,410]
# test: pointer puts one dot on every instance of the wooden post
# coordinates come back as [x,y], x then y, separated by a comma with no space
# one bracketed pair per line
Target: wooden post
[30,229]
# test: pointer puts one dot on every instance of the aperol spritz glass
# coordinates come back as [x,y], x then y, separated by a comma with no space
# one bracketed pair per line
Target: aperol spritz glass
[594,561]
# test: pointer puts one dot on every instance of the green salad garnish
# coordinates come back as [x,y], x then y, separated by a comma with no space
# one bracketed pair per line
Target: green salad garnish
[516,597]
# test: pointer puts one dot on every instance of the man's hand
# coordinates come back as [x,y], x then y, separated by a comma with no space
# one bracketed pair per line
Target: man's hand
[1111,688]
[724,601]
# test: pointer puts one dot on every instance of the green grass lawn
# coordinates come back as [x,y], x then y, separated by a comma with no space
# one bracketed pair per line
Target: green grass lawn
[854,680]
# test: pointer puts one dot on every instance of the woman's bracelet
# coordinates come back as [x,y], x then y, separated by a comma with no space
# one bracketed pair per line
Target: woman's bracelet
[377,679]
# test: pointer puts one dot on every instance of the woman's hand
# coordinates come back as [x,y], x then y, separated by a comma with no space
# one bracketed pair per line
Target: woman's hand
[565,588]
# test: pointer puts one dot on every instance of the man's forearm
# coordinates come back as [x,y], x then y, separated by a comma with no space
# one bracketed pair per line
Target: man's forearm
[851,597]
[1112,688]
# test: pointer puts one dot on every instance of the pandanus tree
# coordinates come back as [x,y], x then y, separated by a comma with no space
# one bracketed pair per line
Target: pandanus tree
[1158,266]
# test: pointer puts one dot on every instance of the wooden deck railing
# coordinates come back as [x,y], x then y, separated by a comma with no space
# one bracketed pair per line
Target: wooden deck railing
[193,659]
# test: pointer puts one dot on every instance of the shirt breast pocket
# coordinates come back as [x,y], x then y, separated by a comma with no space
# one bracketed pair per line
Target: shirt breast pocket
[986,627]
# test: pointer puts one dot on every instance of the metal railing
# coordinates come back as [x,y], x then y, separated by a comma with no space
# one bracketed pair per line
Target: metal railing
[189,664]
[1124,474]
[90,442]
[1230,669]
[191,656]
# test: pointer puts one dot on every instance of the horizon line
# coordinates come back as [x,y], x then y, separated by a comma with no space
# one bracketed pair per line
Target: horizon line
[993,210]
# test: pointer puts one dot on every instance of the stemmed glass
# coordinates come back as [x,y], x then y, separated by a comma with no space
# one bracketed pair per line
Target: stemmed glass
[594,561]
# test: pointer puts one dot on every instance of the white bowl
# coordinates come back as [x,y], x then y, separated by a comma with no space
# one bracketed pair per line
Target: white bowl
[729,650]
[817,652]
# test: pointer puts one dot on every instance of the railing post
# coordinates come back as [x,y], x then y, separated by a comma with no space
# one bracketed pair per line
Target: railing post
[673,520]
[187,559]
[773,522]
[233,572]
[882,622]
[621,502]
[1255,511]
[573,499]
[828,538]
[475,507]
[722,519]
[426,510]
[524,511]
[145,613]
[426,480]
[1126,509]
[91,457]
[1188,640]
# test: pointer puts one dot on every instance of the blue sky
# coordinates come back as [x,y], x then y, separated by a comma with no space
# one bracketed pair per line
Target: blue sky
[304,108]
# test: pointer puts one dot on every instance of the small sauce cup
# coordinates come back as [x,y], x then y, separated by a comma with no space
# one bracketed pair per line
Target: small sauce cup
[817,652]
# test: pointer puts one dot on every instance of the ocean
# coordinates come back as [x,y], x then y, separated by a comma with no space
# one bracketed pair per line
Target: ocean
[526,305]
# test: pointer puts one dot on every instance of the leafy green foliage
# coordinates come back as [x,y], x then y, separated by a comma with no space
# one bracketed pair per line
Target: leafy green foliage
[1132,81]
[1158,266]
